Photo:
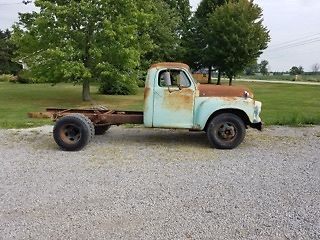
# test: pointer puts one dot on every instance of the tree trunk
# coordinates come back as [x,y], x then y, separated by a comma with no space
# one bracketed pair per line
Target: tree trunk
[86,61]
[219,77]
[86,90]
[230,80]
[210,74]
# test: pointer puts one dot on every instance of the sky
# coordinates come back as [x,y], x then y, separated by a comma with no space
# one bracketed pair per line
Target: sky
[294,28]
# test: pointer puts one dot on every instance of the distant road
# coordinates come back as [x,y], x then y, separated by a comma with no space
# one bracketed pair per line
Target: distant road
[280,81]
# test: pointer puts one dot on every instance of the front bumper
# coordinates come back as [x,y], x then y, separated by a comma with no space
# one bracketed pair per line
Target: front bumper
[258,126]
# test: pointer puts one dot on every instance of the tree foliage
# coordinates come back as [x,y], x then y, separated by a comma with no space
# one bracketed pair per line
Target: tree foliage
[197,41]
[226,35]
[162,29]
[183,10]
[296,70]
[315,67]
[206,7]
[263,67]
[107,41]
[252,68]
[236,37]
[7,65]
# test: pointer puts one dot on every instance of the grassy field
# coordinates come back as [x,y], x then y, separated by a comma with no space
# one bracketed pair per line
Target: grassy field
[283,104]
[286,104]
[301,78]
[16,100]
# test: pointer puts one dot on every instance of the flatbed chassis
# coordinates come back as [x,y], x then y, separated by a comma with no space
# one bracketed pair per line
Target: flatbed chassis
[97,116]
[74,128]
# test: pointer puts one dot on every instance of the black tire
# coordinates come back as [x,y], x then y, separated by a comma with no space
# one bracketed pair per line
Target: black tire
[100,130]
[226,131]
[72,132]
[90,123]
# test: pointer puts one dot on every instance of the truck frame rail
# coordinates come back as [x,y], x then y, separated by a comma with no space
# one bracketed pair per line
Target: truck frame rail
[97,116]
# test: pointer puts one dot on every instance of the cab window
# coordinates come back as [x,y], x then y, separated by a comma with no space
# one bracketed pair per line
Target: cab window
[173,78]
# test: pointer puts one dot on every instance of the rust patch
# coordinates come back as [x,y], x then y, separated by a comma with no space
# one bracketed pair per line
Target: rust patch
[146,93]
[110,117]
[40,115]
[222,91]
[118,119]
[229,98]
[170,65]
[178,100]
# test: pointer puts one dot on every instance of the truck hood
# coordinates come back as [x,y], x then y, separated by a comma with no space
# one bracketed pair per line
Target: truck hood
[206,90]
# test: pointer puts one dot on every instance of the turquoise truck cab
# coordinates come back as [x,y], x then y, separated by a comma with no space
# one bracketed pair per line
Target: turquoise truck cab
[174,99]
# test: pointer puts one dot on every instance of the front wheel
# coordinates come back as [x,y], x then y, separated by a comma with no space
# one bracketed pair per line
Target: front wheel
[226,131]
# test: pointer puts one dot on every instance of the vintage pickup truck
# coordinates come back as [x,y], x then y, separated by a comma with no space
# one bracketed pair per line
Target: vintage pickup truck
[173,100]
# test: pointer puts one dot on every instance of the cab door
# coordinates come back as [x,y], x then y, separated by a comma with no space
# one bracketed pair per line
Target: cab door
[174,95]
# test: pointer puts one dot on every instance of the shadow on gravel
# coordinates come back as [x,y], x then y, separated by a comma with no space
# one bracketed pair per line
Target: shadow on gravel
[168,138]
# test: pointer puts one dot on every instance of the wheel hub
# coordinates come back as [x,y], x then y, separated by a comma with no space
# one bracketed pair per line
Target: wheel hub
[227,131]
[70,134]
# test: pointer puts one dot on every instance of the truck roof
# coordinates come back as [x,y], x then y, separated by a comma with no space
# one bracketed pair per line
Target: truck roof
[170,65]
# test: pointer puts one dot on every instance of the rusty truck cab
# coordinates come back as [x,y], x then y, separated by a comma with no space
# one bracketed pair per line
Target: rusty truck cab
[173,99]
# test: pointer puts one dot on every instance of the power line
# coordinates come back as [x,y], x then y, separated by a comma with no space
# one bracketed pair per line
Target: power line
[25,2]
[278,55]
[295,40]
[297,44]
[8,4]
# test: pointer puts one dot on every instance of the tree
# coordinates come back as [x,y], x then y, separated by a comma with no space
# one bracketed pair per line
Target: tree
[236,37]
[198,41]
[7,65]
[162,29]
[296,70]
[207,7]
[83,40]
[193,43]
[252,69]
[315,67]
[183,10]
[263,67]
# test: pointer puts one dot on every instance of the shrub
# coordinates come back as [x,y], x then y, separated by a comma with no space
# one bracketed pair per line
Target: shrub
[8,78]
[118,84]
[141,83]
[25,77]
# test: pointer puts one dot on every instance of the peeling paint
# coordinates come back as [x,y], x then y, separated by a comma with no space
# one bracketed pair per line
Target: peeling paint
[170,65]
[222,91]
[178,100]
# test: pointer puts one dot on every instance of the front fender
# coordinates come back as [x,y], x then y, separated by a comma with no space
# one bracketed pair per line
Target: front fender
[206,106]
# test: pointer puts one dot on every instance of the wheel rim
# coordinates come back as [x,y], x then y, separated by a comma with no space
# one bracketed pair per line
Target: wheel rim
[70,133]
[227,131]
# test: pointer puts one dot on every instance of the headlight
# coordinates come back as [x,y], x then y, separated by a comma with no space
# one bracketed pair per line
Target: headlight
[246,94]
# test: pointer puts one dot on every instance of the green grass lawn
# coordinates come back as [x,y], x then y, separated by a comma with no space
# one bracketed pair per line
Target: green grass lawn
[283,104]
[16,100]
[287,104]
[302,78]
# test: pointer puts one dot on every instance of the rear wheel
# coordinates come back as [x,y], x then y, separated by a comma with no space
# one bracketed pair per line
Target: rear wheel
[226,131]
[90,123]
[72,132]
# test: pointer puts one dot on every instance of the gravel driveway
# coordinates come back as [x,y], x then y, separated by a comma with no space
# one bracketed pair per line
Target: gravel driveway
[135,183]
